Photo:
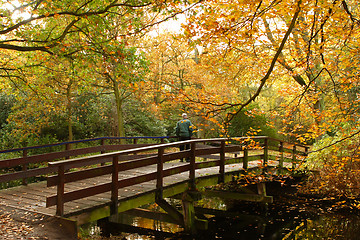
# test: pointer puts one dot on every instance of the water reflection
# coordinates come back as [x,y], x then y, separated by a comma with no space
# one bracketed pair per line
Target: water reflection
[330,226]
[242,221]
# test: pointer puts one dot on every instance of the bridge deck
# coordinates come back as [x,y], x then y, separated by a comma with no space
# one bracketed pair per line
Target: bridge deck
[33,196]
[171,177]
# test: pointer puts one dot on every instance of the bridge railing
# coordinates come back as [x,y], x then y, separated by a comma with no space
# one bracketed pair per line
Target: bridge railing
[36,165]
[243,150]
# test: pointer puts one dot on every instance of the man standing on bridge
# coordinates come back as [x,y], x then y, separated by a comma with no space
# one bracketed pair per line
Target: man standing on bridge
[184,131]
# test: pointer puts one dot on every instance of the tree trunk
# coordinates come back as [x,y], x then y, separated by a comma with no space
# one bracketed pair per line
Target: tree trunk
[119,112]
[69,111]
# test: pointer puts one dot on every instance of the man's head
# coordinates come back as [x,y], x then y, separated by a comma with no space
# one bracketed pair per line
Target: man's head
[184,116]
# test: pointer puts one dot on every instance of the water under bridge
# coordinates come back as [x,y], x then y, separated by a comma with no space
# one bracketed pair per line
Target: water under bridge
[80,184]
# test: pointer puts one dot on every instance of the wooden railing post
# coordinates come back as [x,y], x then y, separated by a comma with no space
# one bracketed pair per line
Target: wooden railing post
[192,166]
[67,148]
[246,158]
[266,152]
[160,174]
[25,167]
[135,142]
[222,161]
[306,151]
[281,150]
[294,157]
[60,191]
[115,184]
[102,142]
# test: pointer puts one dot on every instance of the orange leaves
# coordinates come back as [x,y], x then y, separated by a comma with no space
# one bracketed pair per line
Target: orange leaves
[134,87]
[338,163]
[11,229]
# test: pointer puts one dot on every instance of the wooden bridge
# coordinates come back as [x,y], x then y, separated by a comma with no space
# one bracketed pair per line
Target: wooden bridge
[87,184]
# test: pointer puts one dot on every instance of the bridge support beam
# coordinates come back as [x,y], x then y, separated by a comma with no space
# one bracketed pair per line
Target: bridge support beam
[191,222]
[187,219]
[172,211]
[251,197]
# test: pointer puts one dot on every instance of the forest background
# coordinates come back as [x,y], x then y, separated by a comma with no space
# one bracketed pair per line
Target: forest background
[283,68]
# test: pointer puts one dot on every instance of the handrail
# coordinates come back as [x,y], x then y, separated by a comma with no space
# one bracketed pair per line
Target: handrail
[120,163]
[25,172]
[23,162]
[136,150]
[82,141]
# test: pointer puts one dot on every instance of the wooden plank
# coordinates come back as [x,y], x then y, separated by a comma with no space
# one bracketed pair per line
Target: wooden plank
[234,160]
[233,148]
[239,196]
[209,156]
[200,165]
[21,199]
[36,203]
[119,147]
[38,196]
[146,197]
[80,175]
[202,146]
[78,194]
[174,156]
[101,188]
[26,206]
[88,190]
[176,170]
[26,174]
[29,194]
[137,164]
[138,179]
[48,156]
[207,151]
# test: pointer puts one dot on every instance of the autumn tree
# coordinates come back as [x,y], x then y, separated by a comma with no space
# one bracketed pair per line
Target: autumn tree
[40,33]
[277,42]
[43,25]
[306,51]
[176,71]
[44,89]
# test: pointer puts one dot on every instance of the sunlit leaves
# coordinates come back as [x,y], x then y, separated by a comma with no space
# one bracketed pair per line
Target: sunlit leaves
[315,56]
[44,25]
[211,70]
[338,165]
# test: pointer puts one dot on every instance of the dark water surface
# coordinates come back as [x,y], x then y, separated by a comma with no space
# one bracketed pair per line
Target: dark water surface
[288,217]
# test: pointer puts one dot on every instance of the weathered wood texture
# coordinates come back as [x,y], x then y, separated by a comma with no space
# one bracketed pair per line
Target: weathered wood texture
[18,168]
[81,185]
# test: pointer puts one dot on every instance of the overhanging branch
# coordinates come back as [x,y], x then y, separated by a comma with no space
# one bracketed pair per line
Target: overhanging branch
[336,142]
[272,65]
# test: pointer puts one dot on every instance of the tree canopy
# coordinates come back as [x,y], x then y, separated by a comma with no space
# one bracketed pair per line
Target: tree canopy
[292,65]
